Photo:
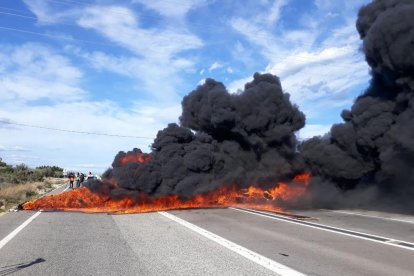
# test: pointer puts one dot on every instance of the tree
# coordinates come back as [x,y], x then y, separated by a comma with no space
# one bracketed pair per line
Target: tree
[2,164]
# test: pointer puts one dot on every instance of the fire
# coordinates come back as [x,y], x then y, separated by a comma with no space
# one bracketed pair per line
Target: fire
[136,158]
[84,200]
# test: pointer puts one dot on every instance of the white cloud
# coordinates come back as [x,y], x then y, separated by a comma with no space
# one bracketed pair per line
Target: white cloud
[68,149]
[300,59]
[41,9]
[34,72]
[216,65]
[318,76]
[318,80]
[344,6]
[157,79]
[42,73]
[311,130]
[317,67]
[322,78]
[157,60]
[47,14]
[170,8]
[201,82]
[161,115]
[156,53]
[325,4]
[274,12]
[14,148]
[123,28]
[257,35]
[244,54]
[238,85]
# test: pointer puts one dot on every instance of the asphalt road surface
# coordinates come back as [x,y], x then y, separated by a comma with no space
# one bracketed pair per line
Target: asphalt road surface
[206,242]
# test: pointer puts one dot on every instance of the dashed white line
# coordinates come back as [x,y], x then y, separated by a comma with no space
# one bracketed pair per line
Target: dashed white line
[274,266]
[10,236]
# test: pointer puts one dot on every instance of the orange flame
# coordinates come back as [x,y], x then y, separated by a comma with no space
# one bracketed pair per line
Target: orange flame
[84,200]
[136,158]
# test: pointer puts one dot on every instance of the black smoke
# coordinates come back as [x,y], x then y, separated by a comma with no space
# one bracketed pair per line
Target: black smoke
[249,138]
[371,154]
[223,138]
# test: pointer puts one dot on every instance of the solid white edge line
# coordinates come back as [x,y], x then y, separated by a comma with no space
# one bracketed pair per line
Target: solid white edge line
[369,216]
[266,215]
[65,189]
[10,236]
[55,190]
[253,256]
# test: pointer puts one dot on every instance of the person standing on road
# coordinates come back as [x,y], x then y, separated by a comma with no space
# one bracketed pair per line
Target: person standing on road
[77,179]
[71,179]
[81,179]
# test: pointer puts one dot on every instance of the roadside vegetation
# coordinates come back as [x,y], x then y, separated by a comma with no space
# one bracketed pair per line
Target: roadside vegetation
[20,183]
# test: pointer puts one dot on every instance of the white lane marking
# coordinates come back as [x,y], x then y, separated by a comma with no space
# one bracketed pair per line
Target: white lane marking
[55,190]
[369,216]
[274,266]
[65,189]
[10,236]
[320,227]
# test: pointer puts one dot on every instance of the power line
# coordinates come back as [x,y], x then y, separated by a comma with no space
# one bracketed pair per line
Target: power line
[74,3]
[78,3]
[16,10]
[68,2]
[35,18]
[54,36]
[74,131]
[145,15]
[18,15]
[293,57]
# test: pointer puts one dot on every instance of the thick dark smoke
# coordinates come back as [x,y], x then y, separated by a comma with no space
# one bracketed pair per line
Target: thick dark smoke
[373,150]
[248,138]
[223,139]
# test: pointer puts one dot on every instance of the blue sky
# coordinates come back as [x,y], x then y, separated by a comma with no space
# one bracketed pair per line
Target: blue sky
[122,67]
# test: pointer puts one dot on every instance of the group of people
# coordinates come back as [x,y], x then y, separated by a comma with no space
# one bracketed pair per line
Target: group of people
[78,179]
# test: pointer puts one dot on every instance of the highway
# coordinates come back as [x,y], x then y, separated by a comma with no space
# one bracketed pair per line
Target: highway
[207,242]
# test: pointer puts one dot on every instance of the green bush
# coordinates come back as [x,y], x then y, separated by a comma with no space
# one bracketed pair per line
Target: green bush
[58,174]
[50,171]
[22,173]
[21,167]
[2,164]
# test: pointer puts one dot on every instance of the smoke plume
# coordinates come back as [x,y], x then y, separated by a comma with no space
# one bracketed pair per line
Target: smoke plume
[373,150]
[222,139]
[248,138]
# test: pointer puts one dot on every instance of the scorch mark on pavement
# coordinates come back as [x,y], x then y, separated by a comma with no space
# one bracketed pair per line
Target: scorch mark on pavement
[253,256]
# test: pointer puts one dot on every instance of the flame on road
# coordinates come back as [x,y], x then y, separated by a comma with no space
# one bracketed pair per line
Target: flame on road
[84,200]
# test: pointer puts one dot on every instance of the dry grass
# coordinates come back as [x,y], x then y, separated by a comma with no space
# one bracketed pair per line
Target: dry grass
[14,194]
